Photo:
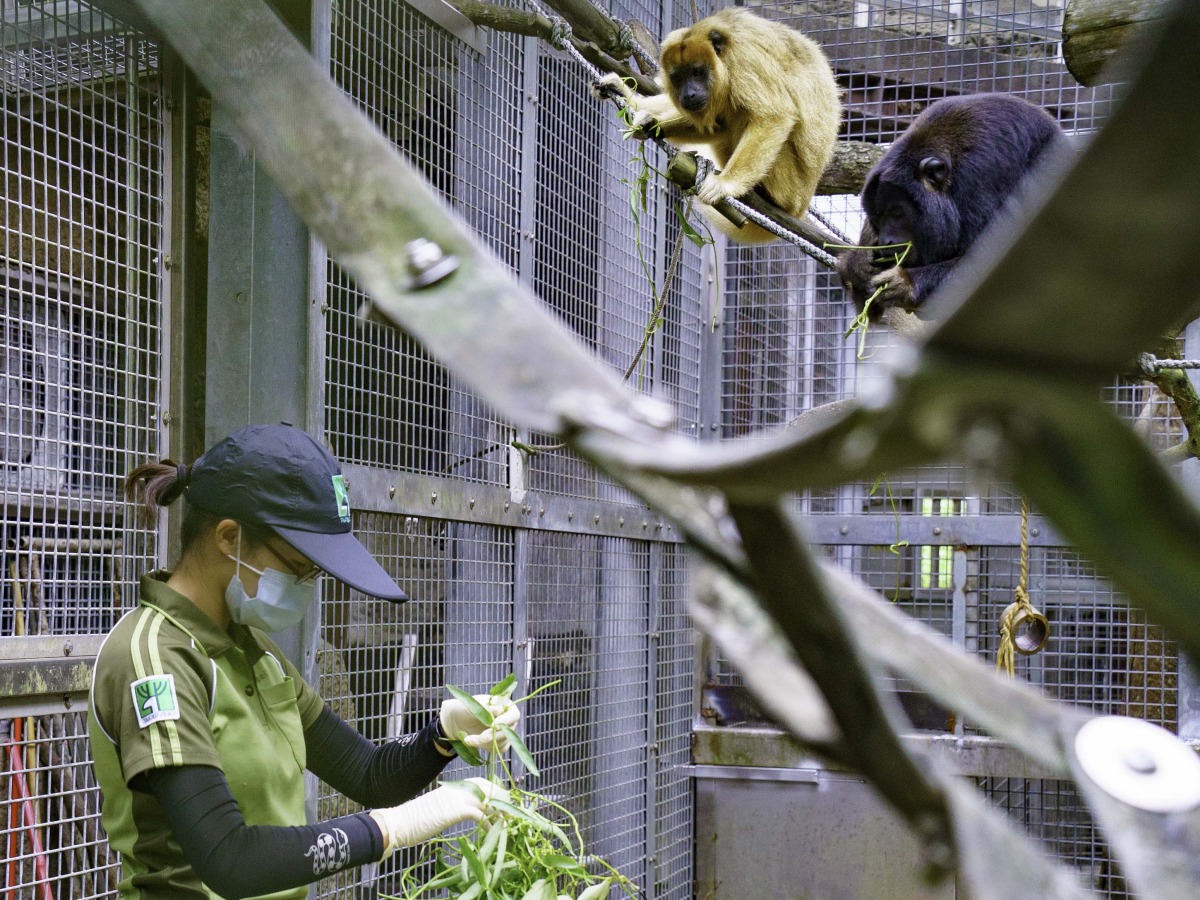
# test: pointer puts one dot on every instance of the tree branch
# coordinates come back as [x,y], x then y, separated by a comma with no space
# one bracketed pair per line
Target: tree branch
[515,21]
[1098,31]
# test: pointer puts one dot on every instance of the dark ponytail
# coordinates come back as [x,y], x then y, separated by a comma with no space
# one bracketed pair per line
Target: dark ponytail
[158,484]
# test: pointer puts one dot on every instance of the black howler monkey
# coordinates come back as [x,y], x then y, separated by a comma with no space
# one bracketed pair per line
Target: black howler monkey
[938,187]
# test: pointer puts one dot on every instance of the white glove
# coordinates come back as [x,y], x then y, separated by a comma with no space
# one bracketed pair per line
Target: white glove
[432,813]
[456,718]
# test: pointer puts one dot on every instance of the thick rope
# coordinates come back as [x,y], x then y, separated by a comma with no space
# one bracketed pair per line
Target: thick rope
[1006,656]
[821,256]
[830,227]
[1152,365]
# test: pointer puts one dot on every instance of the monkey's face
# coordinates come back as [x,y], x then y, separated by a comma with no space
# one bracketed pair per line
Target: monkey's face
[909,200]
[692,63]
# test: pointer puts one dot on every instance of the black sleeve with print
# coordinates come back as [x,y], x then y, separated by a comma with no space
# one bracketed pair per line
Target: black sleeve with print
[239,860]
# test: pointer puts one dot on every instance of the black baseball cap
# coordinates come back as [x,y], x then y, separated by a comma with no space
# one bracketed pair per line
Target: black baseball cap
[280,477]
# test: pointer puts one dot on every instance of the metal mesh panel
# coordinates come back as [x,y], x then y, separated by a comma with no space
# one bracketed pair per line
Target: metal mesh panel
[784,350]
[52,839]
[588,627]
[1053,813]
[79,270]
[387,403]
[382,666]
[81,327]
[674,690]
[514,140]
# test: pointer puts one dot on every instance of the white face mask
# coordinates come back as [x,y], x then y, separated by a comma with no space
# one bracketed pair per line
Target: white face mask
[280,602]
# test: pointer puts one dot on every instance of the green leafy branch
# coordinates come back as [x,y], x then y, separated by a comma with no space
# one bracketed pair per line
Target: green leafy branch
[518,853]
[863,320]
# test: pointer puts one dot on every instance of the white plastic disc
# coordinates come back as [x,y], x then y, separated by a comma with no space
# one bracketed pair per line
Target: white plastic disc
[1140,764]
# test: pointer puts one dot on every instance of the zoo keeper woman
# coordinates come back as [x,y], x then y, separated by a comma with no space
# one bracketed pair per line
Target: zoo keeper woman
[201,729]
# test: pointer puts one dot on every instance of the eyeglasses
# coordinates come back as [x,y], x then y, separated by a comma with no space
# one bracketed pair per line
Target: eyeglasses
[302,576]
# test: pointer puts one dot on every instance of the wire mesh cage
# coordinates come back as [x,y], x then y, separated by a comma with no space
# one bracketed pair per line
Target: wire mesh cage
[81,242]
[509,135]
[786,347]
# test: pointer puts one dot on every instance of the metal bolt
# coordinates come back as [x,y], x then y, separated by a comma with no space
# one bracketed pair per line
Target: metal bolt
[541,510]
[506,503]
[645,524]
[433,497]
[937,530]
[426,262]
[713,426]
[596,520]
[472,503]
[1035,531]
[68,648]
[391,491]
[570,516]
[845,529]
[621,521]
[1141,762]
[67,701]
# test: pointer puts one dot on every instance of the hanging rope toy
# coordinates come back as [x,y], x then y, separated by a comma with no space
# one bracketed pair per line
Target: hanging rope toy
[1022,628]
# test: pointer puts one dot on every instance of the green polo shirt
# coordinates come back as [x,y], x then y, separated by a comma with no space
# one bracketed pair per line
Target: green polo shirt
[171,689]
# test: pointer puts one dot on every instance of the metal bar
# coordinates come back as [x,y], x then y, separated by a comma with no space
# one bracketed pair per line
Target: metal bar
[954,531]
[653,753]
[754,773]
[450,499]
[973,756]
[522,651]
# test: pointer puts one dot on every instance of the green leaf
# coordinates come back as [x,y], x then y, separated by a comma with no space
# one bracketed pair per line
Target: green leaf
[519,812]
[539,890]
[466,752]
[597,891]
[498,865]
[472,789]
[478,872]
[689,230]
[472,892]
[488,847]
[518,747]
[562,863]
[504,688]
[477,709]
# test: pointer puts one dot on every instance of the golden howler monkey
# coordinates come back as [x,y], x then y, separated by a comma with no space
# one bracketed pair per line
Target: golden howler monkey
[756,97]
[938,186]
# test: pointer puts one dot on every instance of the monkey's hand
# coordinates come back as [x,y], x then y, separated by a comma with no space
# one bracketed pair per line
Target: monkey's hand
[857,268]
[611,85]
[892,287]
[714,189]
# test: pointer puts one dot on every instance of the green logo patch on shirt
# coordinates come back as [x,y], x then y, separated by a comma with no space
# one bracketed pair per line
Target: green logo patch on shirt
[342,496]
[154,699]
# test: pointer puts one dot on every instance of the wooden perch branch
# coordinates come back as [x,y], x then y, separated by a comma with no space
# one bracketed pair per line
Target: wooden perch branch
[515,21]
[847,171]
[1176,385]
[1096,32]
